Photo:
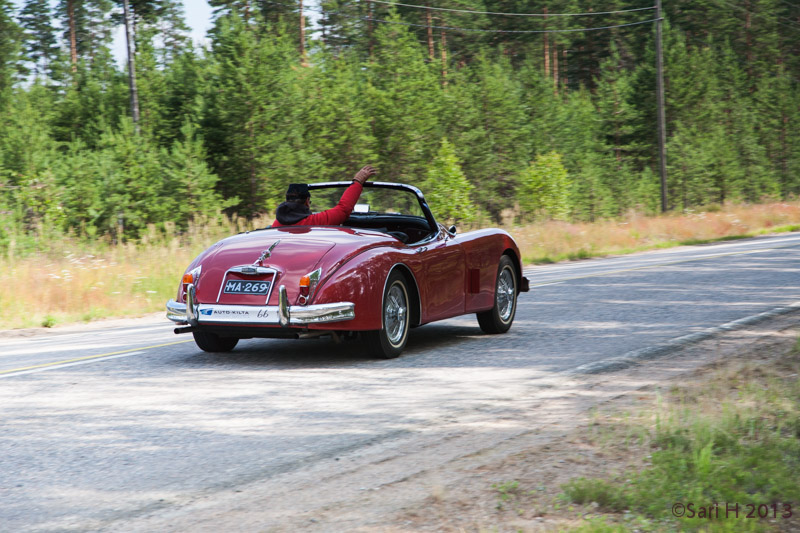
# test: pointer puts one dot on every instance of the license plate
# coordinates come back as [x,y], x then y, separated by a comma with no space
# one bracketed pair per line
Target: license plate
[235,286]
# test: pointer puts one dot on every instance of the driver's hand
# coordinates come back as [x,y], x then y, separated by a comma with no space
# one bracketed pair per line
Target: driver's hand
[364,174]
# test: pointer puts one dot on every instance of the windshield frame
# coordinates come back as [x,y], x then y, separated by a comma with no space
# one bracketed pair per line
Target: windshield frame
[423,204]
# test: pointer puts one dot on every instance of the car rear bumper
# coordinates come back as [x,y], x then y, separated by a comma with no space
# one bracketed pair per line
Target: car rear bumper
[196,314]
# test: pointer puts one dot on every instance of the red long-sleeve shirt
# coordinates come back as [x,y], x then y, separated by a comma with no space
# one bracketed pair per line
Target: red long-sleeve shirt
[335,215]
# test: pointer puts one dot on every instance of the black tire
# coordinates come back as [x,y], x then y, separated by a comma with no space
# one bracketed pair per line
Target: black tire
[499,318]
[389,341]
[211,342]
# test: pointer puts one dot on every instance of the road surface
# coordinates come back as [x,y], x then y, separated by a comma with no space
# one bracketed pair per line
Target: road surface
[104,426]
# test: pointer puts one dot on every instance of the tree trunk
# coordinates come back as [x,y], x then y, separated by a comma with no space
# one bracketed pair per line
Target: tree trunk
[302,37]
[73,42]
[749,45]
[371,45]
[131,66]
[555,69]
[444,57]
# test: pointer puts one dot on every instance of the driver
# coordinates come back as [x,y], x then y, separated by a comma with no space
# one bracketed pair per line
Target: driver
[296,210]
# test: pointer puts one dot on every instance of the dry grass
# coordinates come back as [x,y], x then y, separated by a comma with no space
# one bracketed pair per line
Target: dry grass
[74,281]
[70,280]
[555,241]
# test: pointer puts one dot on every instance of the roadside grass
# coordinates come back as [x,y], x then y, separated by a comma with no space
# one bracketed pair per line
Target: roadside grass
[70,280]
[731,438]
[55,279]
[553,241]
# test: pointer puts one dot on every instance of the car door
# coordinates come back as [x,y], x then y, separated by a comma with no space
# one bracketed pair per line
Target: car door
[442,283]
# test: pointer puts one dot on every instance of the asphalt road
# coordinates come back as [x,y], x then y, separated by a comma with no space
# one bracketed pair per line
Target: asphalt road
[103,426]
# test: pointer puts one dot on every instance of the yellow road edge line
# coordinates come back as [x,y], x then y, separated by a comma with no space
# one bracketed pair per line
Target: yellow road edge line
[670,263]
[90,357]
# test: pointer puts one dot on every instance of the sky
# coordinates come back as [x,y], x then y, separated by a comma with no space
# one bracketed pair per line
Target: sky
[197,15]
[198,18]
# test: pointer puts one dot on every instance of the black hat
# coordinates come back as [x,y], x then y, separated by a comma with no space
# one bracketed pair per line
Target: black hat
[297,191]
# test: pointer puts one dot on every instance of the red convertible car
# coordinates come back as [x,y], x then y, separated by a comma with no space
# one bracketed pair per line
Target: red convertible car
[388,268]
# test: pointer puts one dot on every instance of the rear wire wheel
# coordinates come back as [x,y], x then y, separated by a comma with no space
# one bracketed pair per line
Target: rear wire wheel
[211,342]
[389,341]
[498,319]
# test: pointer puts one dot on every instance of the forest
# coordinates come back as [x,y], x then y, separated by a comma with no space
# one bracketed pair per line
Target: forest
[491,113]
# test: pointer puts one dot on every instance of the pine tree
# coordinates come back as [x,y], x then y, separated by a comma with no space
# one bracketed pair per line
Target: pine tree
[29,157]
[41,43]
[336,127]
[254,126]
[545,189]
[188,179]
[447,189]
[489,126]
[10,36]
[404,100]
[92,25]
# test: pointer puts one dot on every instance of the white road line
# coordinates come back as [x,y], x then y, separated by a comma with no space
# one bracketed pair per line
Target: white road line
[65,365]
[644,265]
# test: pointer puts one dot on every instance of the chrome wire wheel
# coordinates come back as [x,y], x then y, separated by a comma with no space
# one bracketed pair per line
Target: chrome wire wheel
[389,341]
[505,293]
[395,313]
[499,318]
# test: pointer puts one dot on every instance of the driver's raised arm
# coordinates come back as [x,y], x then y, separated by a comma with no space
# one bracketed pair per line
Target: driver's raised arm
[335,215]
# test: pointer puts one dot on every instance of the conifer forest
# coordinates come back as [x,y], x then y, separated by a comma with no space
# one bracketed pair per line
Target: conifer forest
[541,108]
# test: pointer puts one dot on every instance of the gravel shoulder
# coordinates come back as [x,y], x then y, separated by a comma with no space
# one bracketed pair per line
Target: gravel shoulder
[440,478]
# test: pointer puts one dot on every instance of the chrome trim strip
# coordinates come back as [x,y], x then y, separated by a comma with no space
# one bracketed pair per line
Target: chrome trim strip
[313,314]
[250,270]
[176,312]
[191,313]
[296,315]
[238,269]
[313,278]
[284,315]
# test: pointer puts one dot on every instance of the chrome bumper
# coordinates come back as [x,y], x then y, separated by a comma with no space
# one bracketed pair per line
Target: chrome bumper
[195,314]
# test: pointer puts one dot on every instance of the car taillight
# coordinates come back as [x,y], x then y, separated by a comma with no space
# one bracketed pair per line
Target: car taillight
[190,277]
[307,285]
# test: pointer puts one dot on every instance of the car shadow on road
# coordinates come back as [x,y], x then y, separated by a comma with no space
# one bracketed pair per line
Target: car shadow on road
[324,352]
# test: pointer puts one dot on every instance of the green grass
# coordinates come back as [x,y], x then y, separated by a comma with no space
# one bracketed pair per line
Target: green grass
[735,440]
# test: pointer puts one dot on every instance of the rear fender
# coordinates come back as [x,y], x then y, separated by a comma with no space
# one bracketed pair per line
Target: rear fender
[483,250]
[360,281]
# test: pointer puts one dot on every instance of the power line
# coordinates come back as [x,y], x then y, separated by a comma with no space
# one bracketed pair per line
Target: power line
[452,28]
[474,30]
[762,16]
[589,14]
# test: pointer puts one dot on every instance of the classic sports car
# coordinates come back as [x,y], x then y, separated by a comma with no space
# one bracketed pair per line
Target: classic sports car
[388,268]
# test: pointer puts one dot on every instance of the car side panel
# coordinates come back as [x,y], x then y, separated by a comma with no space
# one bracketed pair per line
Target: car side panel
[483,250]
[442,278]
[361,281]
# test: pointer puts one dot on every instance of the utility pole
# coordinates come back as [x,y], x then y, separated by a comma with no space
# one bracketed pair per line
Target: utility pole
[131,67]
[662,121]
[546,48]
